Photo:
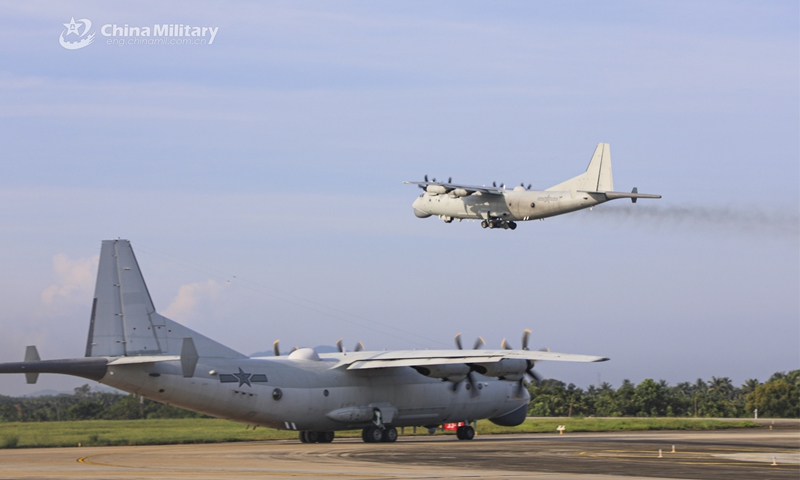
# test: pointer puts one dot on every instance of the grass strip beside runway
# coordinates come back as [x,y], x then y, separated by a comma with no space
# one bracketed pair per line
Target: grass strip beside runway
[201,430]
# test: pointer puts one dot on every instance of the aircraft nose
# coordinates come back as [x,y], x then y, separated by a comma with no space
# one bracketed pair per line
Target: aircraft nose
[417,206]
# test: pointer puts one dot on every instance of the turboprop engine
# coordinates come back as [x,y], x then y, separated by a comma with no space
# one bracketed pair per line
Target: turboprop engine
[460,192]
[435,189]
[511,369]
[453,373]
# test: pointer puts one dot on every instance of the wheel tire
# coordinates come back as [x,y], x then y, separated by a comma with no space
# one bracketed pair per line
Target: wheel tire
[303,438]
[389,435]
[312,437]
[460,433]
[372,434]
[512,225]
[491,225]
[469,433]
[326,437]
[484,224]
[505,226]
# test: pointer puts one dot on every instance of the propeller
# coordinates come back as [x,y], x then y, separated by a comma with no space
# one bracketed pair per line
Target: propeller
[479,342]
[433,180]
[521,383]
[276,348]
[529,369]
[473,390]
[426,177]
[340,346]
[449,179]
[296,348]
[359,346]
[494,184]
[529,186]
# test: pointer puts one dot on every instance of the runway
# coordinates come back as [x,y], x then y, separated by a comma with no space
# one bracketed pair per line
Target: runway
[730,454]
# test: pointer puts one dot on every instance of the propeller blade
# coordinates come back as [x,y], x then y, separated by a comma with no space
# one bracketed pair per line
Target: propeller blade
[473,390]
[359,346]
[494,184]
[276,348]
[522,184]
[479,343]
[533,373]
[426,177]
[520,389]
[458,341]
[529,186]
[525,335]
[296,348]
[434,180]
[502,185]
[504,344]
[449,179]
[340,346]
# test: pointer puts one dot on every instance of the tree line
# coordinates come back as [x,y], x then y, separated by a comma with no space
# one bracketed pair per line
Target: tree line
[778,397]
[84,404]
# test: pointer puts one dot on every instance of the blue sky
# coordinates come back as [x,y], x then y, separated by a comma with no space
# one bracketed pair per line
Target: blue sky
[259,178]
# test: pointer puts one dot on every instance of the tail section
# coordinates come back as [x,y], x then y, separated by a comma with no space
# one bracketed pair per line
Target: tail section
[596,178]
[124,321]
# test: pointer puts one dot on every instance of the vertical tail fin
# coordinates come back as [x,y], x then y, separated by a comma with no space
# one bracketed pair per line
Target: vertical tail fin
[124,321]
[596,178]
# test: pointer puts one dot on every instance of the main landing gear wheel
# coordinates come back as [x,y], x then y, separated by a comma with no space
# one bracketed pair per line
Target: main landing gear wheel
[372,434]
[465,433]
[512,225]
[484,223]
[389,435]
[316,437]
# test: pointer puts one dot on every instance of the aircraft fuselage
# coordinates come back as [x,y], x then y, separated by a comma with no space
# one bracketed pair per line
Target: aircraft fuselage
[282,393]
[511,205]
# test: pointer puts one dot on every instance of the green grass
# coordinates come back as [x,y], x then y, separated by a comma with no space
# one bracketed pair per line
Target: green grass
[200,430]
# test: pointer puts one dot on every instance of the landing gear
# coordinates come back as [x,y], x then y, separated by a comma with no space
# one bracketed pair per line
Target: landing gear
[465,433]
[373,434]
[316,437]
[389,435]
[498,223]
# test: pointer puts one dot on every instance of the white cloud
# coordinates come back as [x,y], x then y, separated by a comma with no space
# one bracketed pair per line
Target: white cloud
[74,280]
[185,307]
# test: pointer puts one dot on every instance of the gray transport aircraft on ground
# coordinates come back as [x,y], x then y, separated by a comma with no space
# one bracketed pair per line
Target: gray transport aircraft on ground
[498,207]
[133,348]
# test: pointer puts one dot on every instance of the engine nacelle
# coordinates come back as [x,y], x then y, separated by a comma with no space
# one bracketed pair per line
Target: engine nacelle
[460,192]
[454,373]
[438,189]
[508,368]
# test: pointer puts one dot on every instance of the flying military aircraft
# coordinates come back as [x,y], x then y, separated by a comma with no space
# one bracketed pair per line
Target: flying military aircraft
[499,207]
[132,347]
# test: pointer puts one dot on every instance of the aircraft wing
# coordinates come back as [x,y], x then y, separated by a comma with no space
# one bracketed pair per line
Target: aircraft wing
[417,358]
[449,187]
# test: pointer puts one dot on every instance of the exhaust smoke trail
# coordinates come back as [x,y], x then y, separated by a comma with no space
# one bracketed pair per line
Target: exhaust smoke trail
[776,222]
